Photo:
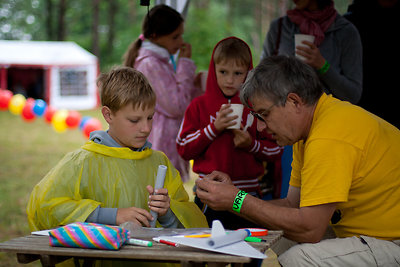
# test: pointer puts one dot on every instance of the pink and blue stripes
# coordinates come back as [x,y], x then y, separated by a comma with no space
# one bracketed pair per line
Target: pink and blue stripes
[89,235]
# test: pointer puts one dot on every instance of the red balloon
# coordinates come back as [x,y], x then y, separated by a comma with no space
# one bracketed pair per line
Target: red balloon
[49,113]
[5,97]
[73,119]
[30,100]
[27,112]
[91,125]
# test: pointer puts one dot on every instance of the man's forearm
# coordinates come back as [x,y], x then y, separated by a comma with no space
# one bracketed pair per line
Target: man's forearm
[298,224]
[281,202]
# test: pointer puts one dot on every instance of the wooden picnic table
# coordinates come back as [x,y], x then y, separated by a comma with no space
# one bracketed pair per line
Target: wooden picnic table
[31,248]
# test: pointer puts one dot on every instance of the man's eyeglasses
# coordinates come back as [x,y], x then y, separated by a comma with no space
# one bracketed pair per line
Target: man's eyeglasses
[262,115]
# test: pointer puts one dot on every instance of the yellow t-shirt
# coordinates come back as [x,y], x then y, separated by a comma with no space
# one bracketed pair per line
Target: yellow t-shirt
[351,157]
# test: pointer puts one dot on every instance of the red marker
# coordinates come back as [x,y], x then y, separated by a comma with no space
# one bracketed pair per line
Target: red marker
[165,242]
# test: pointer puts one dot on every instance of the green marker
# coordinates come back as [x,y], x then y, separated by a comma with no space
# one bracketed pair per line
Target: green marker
[139,242]
[254,239]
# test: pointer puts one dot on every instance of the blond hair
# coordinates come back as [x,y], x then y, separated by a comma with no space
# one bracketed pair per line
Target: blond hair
[124,85]
[232,48]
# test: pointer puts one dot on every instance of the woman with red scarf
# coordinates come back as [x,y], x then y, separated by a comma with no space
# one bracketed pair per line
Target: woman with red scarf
[336,54]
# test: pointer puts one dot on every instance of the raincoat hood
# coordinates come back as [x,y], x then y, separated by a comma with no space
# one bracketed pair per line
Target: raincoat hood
[212,89]
[103,138]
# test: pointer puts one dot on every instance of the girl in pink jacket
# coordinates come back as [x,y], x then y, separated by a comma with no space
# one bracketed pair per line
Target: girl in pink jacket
[152,54]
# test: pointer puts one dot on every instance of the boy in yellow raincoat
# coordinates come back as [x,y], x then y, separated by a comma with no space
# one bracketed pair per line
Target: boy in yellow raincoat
[110,179]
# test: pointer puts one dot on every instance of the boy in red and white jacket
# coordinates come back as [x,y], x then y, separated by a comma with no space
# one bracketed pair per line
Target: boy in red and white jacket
[204,137]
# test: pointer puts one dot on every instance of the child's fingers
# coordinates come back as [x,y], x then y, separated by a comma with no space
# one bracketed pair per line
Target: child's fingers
[133,214]
[143,220]
[225,109]
[150,189]
[158,198]
[161,191]
[161,205]
[159,201]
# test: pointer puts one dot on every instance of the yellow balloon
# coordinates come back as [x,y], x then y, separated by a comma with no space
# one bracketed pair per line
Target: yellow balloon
[58,120]
[17,103]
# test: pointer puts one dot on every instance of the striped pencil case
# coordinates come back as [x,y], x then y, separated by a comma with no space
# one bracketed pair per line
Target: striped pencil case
[89,235]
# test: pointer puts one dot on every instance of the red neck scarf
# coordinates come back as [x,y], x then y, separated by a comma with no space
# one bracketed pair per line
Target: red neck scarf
[314,22]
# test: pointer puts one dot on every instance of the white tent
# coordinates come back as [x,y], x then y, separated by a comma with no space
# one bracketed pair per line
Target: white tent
[62,73]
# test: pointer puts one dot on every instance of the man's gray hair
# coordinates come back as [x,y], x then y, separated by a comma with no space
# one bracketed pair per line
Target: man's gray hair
[277,76]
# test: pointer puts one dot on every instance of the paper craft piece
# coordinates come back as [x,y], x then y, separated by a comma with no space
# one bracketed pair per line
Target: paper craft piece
[234,237]
[89,235]
[236,245]
[146,232]
[162,170]
[43,232]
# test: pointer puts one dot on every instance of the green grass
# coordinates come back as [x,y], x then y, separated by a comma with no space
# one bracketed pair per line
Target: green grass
[28,150]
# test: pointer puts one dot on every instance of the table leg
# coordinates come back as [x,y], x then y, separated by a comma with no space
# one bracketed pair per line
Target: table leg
[192,264]
[27,258]
[218,264]
[208,264]
[51,261]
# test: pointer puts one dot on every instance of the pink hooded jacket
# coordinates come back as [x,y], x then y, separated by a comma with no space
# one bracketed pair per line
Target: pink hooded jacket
[174,92]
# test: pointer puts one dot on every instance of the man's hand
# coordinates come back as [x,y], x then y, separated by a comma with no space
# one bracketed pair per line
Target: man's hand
[217,191]
[219,177]
[136,215]
[159,202]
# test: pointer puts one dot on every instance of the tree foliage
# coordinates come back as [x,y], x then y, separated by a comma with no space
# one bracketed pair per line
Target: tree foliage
[107,27]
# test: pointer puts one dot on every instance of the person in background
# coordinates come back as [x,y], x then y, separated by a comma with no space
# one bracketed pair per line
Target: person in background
[346,172]
[335,55]
[110,179]
[173,81]
[204,135]
[378,24]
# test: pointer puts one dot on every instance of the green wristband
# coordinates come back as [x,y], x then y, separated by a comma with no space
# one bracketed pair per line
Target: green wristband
[237,203]
[324,68]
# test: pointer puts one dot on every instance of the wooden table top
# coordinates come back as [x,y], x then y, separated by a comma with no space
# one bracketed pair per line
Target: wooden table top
[30,248]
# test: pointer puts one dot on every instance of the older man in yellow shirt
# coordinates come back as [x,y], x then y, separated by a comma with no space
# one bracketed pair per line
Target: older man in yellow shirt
[345,171]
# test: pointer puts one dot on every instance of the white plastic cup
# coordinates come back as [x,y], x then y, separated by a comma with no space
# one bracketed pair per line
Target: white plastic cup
[298,41]
[237,110]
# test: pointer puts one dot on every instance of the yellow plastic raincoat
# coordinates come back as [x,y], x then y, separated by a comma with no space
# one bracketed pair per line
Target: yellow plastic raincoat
[112,177]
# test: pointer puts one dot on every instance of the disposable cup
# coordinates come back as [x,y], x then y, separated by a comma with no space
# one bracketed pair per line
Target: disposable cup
[237,110]
[298,41]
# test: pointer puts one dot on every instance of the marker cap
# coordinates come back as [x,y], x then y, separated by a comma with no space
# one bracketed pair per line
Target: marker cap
[257,231]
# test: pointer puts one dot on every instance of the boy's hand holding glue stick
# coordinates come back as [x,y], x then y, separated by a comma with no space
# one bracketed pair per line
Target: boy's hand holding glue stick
[158,198]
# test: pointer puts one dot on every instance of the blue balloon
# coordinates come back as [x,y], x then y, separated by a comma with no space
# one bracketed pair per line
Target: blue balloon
[39,107]
[84,120]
